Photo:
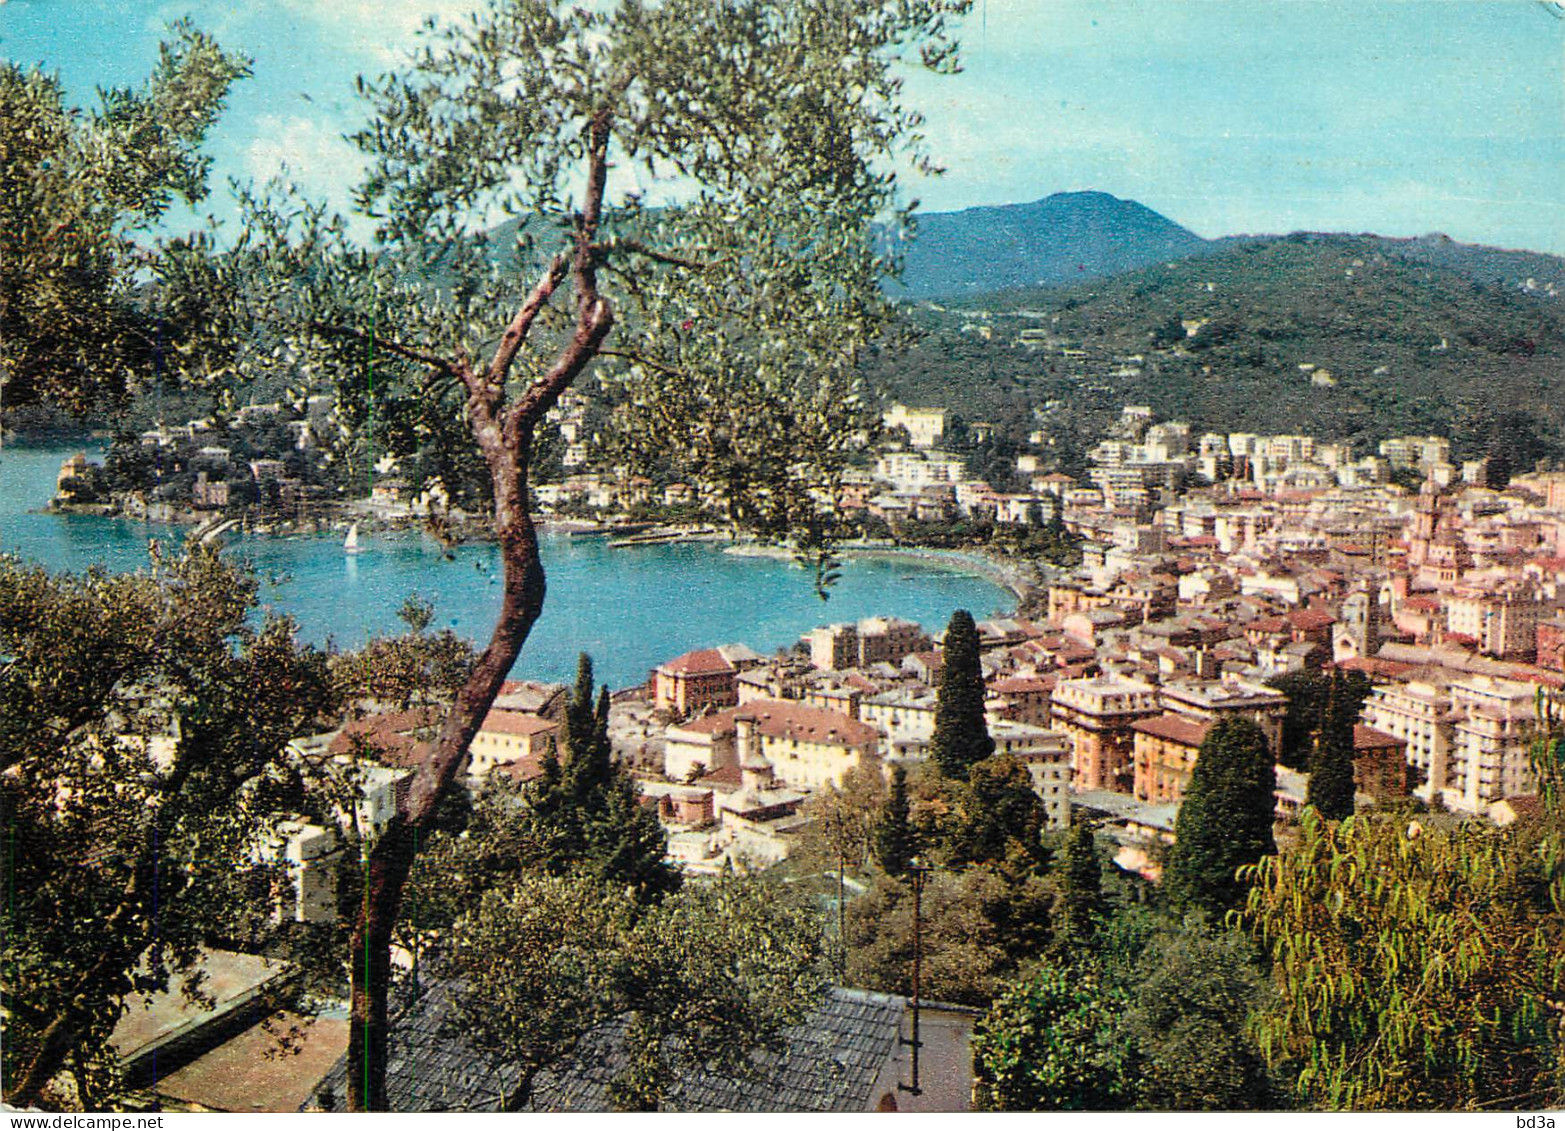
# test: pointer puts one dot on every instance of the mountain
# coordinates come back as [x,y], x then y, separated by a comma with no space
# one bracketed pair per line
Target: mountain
[1350,337]
[1059,240]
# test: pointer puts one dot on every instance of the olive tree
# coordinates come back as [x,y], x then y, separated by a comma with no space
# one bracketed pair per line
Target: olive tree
[694,188]
[81,194]
[143,724]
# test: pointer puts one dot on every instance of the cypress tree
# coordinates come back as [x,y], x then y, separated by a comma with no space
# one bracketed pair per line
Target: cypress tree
[584,811]
[1081,897]
[961,736]
[1331,761]
[1225,821]
[895,841]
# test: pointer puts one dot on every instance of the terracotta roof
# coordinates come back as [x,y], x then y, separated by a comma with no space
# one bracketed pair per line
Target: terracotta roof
[1368,738]
[1373,665]
[516,722]
[521,770]
[1175,728]
[1310,618]
[391,738]
[727,778]
[778,719]
[1016,684]
[705,661]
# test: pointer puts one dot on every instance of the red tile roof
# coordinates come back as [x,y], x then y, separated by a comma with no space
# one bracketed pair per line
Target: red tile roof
[392,738]
[1368,738]
[705,661]
[516,722]
[775,718]
[1310,618]
[1175,728]
[1017,684]
[521,770]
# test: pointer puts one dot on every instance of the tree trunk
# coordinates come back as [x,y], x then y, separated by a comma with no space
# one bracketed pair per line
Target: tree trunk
[391,857]
[504,435]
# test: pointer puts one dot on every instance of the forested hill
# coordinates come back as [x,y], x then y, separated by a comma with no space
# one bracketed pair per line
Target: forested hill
[1343,336]
[1058,240]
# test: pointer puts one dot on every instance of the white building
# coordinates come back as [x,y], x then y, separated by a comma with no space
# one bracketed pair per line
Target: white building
[925,426]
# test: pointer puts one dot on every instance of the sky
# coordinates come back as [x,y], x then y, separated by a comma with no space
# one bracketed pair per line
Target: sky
[1401,117]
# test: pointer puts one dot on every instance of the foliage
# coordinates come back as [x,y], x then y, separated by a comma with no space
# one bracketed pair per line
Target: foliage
[1081,892]
[701,980]
[1331,789]
[841,826]
[1188,1021]
[1051,1043]
[414,669]
[143,721]
[1309,694]
[895,843]
[1372,311]
[965,958]
[584,816]
[961,736]
[79,193]
[581,818]
[1158,1013]
[1415,967]
[1225,821]
[997,812]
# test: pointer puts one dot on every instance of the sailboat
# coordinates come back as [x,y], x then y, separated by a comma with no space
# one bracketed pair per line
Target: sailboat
[350,544]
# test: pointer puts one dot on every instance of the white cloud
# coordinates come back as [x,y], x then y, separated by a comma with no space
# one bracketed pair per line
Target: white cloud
[313,155]
[382,28]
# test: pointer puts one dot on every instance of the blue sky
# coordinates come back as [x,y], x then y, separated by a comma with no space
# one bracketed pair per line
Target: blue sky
[1399,117]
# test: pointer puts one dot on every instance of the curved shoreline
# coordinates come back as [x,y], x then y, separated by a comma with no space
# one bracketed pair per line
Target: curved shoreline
[1012,578]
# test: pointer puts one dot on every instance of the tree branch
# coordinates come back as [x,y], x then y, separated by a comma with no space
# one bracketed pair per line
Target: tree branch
[594,315]
[638,359]
[516,332]
[636,247]
[408,353]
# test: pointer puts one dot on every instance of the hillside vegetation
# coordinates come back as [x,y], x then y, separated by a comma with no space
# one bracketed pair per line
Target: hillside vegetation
[1347,337]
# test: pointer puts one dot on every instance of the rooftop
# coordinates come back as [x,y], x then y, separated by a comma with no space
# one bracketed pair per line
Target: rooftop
[829,1063]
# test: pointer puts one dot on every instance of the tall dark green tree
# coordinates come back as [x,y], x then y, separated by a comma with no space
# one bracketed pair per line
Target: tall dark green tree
[961,736]
[1309,694]
[996,813]
[583,813]
[895,843]
[1225,822]
[1081,902]
[1331,761]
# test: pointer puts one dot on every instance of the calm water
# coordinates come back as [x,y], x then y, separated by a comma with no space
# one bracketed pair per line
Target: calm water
[631,609]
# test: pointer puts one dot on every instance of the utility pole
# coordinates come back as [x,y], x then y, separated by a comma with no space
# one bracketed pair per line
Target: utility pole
[842,934]
[917,872]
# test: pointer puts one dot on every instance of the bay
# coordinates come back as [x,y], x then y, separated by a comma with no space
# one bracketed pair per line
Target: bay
[631,609]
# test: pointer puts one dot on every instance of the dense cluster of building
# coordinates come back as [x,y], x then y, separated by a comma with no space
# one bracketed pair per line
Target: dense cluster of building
[1210,576]
[1232,564]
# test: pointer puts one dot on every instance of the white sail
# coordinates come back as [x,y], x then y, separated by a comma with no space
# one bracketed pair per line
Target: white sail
[351,542]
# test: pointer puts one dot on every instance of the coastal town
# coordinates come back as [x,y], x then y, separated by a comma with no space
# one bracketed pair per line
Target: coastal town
[826,556]
[1217,577]
[1211,567]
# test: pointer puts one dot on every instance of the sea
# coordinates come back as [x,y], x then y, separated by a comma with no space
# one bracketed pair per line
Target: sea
[629,608]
